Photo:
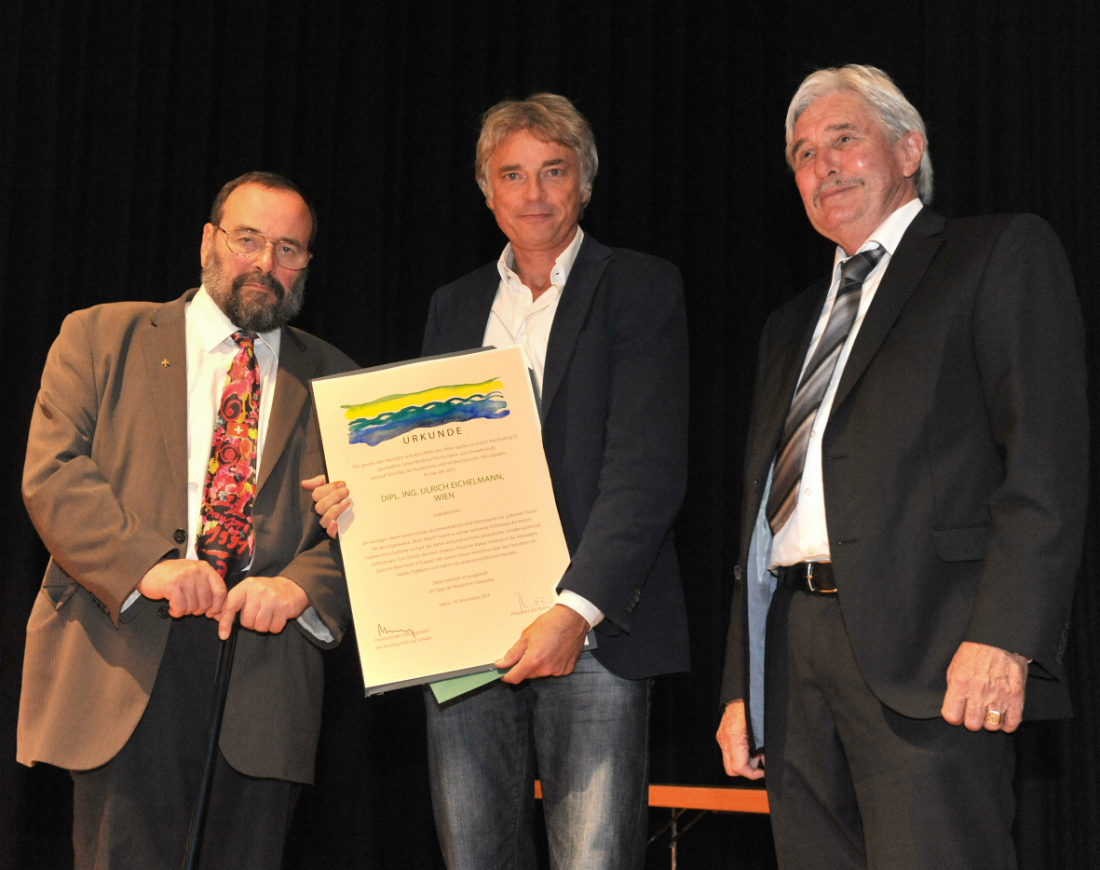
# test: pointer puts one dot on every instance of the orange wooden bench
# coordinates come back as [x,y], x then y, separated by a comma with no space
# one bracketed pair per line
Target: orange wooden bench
[704,798]
[718,798]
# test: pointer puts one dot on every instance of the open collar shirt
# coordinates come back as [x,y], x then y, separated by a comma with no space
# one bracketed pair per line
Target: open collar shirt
[517,319]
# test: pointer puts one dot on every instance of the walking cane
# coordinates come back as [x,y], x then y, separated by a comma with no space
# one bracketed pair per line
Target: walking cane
[221,690]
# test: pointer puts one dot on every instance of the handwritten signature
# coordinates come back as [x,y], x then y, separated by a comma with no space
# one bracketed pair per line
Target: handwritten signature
[538,602]
[383,631]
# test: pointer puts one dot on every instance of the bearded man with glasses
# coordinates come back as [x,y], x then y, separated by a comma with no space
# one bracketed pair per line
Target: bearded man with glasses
[162,473]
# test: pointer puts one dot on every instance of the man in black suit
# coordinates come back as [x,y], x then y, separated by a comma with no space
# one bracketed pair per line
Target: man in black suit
[604,334]
[914,506]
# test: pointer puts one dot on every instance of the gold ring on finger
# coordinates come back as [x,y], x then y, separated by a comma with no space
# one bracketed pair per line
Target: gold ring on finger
[994,718]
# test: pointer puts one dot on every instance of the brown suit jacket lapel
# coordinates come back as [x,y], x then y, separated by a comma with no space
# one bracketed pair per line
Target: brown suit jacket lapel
[291,393]
[163,342]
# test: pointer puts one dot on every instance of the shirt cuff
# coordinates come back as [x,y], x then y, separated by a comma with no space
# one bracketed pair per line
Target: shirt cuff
[131,598]
[310,620]
[582,606]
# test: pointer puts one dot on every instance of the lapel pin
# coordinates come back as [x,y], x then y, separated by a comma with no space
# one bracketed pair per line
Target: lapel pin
[164,363]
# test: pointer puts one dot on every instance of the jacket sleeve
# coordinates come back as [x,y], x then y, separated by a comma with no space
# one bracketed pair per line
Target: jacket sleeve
[318,566]
[1029,343]
[319,571]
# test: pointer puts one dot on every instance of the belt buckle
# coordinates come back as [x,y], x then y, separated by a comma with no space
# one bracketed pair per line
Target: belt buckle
[810,582]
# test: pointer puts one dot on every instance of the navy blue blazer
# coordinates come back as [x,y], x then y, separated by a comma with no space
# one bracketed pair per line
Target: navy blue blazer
[614,427]
[955,460]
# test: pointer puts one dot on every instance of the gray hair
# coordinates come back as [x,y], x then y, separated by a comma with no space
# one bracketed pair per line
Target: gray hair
[897,114]
[549,117]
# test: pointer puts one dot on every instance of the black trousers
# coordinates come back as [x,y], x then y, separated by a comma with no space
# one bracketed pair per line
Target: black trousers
[853,784]
[135,811]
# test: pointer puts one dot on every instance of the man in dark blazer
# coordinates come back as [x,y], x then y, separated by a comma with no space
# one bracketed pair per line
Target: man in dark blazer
[914,507]
[604,334]
[123,639]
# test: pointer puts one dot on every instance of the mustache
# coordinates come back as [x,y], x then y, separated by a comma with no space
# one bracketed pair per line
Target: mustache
[264,279]
[830,183]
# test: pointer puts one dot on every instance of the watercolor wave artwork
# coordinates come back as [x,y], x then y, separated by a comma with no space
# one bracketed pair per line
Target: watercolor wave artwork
[380,420]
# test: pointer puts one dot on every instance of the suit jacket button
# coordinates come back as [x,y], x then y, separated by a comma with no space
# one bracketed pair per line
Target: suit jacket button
[180,535]
[162,611]
[736,572]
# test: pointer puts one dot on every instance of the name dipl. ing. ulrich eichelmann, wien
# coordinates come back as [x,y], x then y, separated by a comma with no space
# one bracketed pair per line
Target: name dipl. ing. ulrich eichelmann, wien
[439,491]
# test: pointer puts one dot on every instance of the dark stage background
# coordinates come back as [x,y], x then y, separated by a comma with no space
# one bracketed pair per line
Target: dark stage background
[120,121]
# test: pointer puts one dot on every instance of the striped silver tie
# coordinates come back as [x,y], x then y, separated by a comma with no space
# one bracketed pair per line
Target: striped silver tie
[791,458]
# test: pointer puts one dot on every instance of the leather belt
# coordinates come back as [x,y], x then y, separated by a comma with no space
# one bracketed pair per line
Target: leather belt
[815,577]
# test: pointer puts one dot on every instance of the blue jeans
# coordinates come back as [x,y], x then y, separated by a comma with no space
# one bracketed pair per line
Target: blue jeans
[587,736]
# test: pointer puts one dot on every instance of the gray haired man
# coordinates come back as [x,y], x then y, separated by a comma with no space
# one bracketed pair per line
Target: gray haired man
[605,337]
[913,510]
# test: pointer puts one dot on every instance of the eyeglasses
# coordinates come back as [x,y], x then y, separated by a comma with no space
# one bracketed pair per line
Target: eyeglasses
[247,244]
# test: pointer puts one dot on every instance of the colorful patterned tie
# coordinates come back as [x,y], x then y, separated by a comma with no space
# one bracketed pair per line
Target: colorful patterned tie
[791,457]
[224,537]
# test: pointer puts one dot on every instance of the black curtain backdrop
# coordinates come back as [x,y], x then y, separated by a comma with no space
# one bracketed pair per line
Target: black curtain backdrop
[120,121]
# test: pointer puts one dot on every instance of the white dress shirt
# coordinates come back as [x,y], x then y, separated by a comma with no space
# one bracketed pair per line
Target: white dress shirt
[517,319]
[805,537]
[210,351]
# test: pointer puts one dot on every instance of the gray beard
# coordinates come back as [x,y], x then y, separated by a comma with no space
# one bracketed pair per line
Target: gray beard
[255,315]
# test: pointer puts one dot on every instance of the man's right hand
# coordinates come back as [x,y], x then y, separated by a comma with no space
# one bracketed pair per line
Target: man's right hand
[733,737]
[192,588]
[329,500]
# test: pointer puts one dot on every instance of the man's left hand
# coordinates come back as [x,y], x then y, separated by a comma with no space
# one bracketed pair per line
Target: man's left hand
[548,647]
[329,501]
[981,678]
[266,604]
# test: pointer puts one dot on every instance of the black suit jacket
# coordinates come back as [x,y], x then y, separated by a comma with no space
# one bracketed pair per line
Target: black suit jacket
[614,427]
[954,460]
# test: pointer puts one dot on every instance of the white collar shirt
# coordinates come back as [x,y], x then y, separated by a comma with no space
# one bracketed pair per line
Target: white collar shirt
[517,319]
[805,536]
[210,350]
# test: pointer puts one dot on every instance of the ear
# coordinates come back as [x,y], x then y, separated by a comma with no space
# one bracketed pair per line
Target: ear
[486,191]
[209,236]
[911,146]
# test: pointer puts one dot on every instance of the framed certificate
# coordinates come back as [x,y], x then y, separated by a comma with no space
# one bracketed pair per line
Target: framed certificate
[452,545]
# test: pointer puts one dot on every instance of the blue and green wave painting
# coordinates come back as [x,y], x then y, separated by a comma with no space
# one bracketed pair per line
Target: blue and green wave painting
[392,416]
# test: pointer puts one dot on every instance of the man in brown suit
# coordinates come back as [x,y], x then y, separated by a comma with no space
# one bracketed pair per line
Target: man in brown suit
[124,634]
